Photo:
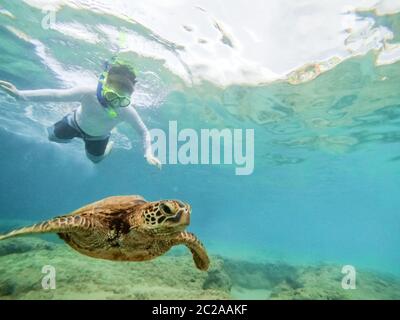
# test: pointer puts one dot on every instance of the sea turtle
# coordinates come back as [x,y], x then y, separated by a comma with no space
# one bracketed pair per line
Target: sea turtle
[124,228]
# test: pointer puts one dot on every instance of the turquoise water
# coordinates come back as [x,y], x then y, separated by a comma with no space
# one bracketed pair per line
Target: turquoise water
[325,186]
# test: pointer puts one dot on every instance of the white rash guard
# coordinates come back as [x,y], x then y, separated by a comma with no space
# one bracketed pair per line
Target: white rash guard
[91,116]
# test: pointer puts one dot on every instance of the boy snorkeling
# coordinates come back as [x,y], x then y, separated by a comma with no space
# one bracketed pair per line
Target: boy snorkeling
[99,111]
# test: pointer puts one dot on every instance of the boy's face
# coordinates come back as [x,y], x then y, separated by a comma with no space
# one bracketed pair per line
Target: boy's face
[120,85]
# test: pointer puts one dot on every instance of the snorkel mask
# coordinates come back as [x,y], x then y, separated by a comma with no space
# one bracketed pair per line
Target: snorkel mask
[107,96]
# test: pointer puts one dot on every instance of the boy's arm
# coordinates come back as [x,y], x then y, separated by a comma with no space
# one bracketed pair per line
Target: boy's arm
[133,118]
[61,95]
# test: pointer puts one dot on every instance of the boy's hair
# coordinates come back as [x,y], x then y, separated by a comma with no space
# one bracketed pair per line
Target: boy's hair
[125,71]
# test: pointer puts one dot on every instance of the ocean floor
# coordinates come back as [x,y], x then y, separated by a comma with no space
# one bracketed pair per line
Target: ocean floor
[172,276]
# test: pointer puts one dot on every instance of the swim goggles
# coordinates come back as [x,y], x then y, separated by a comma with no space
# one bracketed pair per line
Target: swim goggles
[115,100]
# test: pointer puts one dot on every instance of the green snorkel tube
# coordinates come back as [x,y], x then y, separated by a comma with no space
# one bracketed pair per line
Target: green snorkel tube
[102,80]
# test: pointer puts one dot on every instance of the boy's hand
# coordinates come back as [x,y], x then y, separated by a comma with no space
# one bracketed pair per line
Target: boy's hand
[153,160]
[10,89]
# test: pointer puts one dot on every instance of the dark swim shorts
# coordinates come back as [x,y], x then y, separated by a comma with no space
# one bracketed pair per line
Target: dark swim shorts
[67,129]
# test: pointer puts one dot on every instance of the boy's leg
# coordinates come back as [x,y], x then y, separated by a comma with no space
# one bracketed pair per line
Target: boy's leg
[97,150]
[62,132]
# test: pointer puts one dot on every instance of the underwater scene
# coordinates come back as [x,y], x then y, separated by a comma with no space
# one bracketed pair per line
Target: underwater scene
[200,149]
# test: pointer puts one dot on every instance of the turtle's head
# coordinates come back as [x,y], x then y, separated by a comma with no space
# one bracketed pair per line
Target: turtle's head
[165,216]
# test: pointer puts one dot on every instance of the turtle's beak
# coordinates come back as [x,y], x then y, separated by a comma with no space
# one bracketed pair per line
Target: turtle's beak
[182,215]
[185,211]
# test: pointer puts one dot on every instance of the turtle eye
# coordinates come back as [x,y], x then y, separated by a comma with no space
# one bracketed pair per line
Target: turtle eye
[166,209]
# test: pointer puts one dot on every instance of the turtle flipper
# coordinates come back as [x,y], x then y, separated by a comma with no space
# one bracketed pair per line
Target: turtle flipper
[59,224]
[199,253]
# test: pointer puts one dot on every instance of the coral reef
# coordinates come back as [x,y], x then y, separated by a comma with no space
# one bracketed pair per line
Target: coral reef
[172,276]
[324,283]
